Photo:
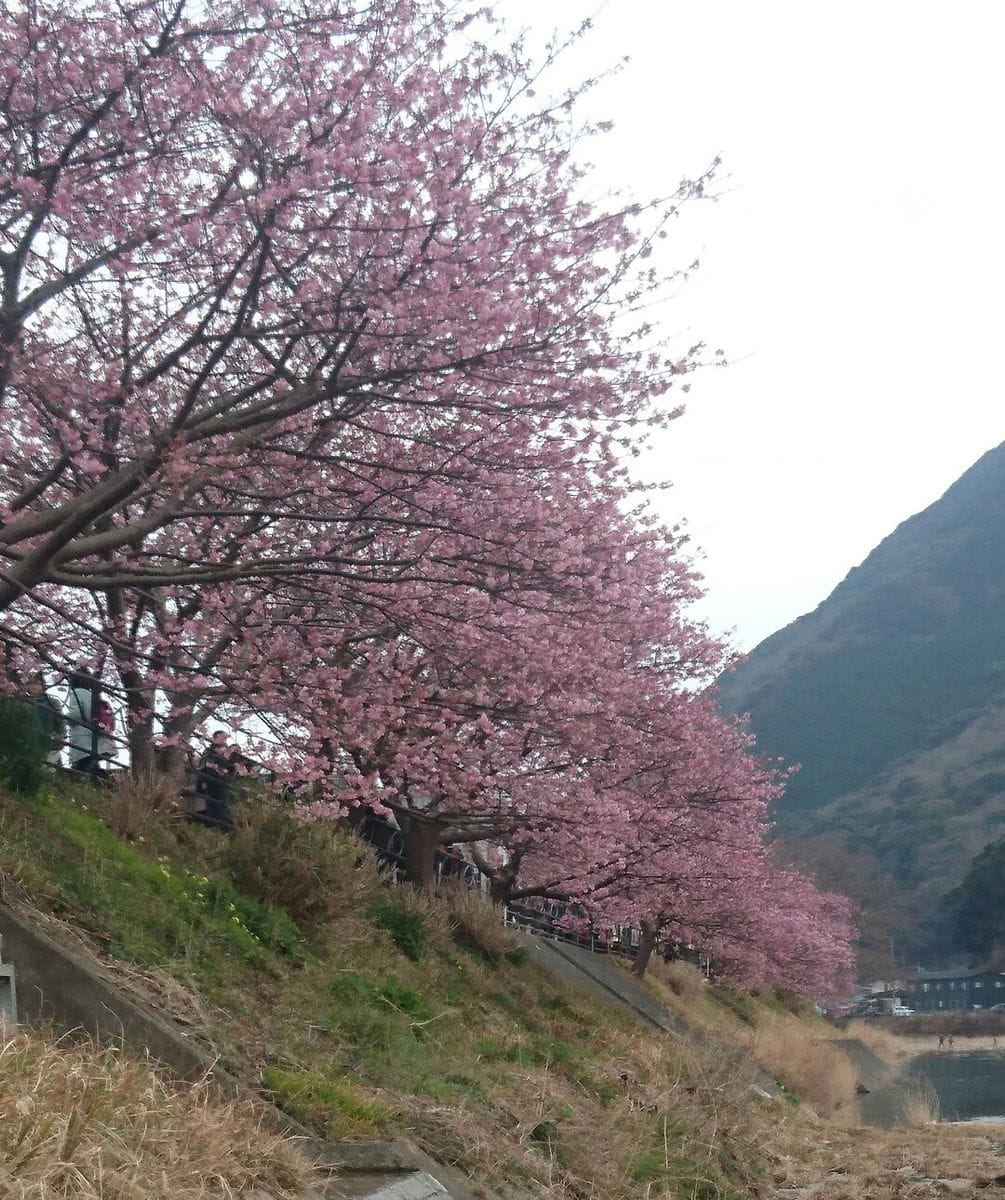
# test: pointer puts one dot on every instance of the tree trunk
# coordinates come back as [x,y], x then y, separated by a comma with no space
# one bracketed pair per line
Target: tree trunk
[142,752]
[501,887]
[421,837]
[647,943]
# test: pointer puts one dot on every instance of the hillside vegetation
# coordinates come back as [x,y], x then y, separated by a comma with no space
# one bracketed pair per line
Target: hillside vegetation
[891,694]
[366,1011]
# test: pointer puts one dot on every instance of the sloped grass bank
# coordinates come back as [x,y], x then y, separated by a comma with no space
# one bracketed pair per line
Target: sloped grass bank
[86,1123]
[366,1011]
[783,1033]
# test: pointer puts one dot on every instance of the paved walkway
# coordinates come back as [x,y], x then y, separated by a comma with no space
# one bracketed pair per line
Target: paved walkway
[606,980]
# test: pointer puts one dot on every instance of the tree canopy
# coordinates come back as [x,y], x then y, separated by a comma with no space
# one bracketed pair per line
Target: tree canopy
[320,377]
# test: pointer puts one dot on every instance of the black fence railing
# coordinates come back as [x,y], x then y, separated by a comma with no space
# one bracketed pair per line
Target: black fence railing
[544,918]
[206,796]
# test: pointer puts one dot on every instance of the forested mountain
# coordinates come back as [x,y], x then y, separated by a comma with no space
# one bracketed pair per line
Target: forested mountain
[891,693]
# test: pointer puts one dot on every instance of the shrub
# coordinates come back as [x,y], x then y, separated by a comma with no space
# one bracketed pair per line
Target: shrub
[477,925]
[920,1105]
[315,872]
[137,801]
[683,978]
[23,747]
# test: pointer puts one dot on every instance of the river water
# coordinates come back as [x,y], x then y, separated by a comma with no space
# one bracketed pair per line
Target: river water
[970,1085]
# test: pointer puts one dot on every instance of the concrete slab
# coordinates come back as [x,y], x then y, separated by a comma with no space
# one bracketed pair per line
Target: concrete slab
[871,1070]
[356,1186]
[603,979]
[418,1186]
[8,995]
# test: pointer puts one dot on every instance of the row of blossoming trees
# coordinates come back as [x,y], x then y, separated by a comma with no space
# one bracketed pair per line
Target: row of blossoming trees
[318,378]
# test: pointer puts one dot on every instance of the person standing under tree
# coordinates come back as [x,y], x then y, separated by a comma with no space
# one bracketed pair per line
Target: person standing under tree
[215,770]
[91,721]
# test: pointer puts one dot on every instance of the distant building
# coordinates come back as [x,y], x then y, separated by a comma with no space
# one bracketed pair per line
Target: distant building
[955,990]
[884,987]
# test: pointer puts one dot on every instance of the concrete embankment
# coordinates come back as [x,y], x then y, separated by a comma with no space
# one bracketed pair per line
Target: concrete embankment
[58,986]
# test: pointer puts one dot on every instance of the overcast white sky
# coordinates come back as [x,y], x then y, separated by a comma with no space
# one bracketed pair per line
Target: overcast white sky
[853,268]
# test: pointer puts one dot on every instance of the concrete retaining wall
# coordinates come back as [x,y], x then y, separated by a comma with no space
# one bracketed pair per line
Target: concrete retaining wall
[57,985]
[8,995]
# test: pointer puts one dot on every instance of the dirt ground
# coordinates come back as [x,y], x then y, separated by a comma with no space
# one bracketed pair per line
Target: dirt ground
[859,1163]
[842,1160]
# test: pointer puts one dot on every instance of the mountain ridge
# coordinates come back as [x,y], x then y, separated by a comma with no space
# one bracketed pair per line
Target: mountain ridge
[890,698]
[906,649]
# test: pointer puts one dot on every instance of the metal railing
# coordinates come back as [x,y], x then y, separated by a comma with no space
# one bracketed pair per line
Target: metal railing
[543,918]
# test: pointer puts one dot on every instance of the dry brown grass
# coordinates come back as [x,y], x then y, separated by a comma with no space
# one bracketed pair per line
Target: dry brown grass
[657,1116]
[478,924]
[80,1123]
[887,1046]
[810,1065]
[884,1164]
[684,979]
[920,1105]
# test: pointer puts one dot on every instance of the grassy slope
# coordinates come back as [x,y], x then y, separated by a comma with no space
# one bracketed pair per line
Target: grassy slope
[78,1121]
[380,1014]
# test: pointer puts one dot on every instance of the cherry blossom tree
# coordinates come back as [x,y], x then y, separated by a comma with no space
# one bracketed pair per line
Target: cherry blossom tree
[288,290]
[319,377]
[677,844]
[248,249]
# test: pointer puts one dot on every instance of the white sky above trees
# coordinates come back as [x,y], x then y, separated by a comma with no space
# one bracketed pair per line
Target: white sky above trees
[853,266]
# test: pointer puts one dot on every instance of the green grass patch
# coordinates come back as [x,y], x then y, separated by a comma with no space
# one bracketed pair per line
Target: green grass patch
[683,1176]
[407,926]
[146,910]
[336,1106]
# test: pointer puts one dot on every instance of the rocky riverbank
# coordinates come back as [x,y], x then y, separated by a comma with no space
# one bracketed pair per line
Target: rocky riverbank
[858,1163]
